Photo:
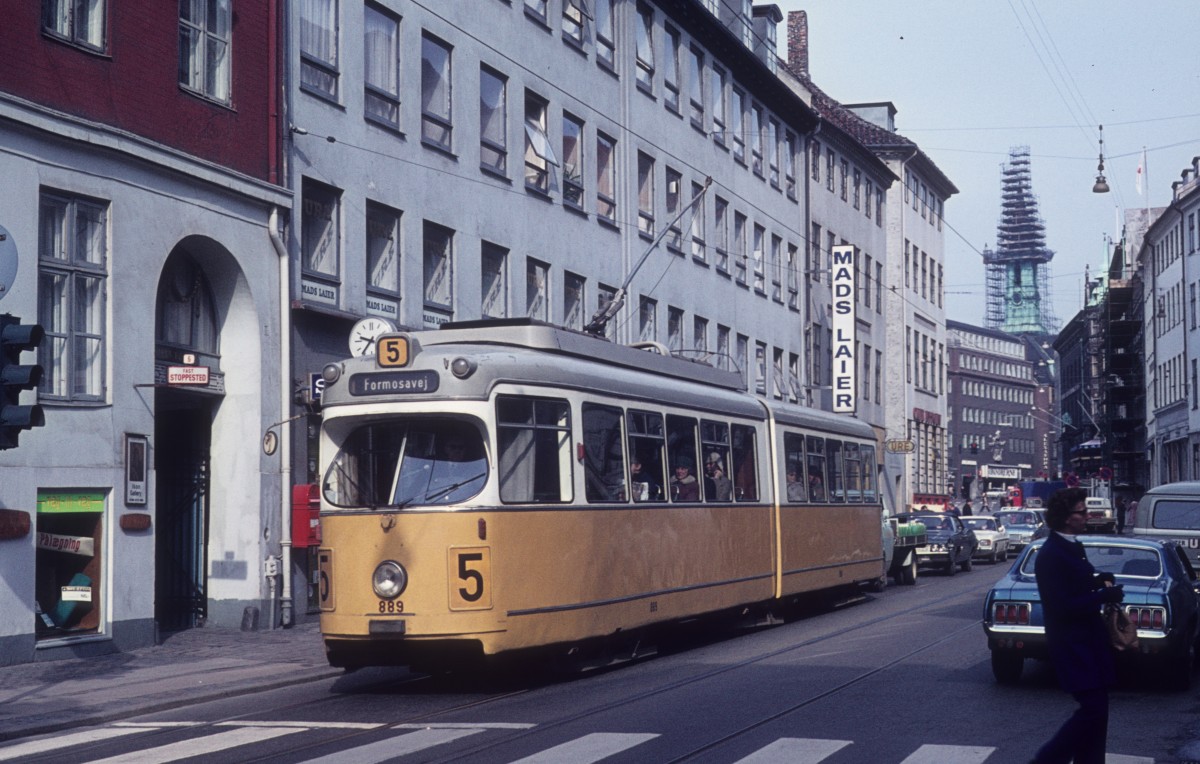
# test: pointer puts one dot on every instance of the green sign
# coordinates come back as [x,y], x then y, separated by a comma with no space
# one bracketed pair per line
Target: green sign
[62,501]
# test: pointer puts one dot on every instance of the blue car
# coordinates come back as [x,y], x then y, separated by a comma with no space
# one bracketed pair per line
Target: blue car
[1162,596]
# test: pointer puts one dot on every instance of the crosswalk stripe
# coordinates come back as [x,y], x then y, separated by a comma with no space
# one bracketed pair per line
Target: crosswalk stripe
[949,754]
[306,725]
[589,748]
[400,745]
[1121,758]
[35,747]
[795,750]
[464,726]
[199,746]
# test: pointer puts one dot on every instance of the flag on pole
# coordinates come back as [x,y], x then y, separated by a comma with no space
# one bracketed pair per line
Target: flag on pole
[1141,174]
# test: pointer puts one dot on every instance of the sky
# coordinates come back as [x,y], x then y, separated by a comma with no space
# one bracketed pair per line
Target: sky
[971,79]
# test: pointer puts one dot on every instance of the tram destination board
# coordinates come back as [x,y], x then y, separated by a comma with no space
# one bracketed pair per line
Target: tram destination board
[393,382]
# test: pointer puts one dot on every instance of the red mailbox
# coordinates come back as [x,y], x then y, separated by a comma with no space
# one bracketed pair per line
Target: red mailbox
[306,507]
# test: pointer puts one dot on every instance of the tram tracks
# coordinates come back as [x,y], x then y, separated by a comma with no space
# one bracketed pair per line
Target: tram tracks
[405,685]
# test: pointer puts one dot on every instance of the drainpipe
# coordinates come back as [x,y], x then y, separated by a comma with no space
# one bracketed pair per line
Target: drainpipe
[285,424]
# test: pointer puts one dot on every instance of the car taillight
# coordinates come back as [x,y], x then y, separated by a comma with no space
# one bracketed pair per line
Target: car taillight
[1148,617]
[1157,621]
[1010,614]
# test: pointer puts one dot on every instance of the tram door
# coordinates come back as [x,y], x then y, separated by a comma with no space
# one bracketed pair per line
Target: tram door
[183,433]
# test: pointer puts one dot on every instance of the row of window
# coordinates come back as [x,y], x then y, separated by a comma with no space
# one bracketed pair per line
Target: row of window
[861,194]
[919,274]
[994,392]
[1170,386]
[924,361]
[994,416]
[205,37]
[923,199]
[987,343]
[994,366]
[868,272]
[1171,246]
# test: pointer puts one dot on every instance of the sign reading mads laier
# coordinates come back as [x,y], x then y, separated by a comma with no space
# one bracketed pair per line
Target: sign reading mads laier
[845,385]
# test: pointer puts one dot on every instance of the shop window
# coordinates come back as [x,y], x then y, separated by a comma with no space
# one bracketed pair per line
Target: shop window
[70,562]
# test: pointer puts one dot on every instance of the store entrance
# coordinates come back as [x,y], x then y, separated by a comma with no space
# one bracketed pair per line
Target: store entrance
[182,436]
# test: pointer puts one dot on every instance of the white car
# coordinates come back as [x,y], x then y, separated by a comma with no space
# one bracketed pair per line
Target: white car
[994,543]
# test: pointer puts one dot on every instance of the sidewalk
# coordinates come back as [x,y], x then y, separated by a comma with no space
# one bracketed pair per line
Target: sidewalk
[189,667]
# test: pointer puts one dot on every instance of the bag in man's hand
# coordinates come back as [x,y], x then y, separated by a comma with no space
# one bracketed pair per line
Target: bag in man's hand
[1122,632]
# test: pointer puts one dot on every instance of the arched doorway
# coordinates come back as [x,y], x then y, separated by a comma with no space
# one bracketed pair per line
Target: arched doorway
[186,334]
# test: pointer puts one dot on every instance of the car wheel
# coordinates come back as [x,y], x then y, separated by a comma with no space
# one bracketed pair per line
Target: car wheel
[909,574]
[951,567]
[995,558]
[1006,666]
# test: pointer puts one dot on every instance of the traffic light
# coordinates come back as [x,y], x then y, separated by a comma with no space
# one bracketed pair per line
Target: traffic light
[16,338]
[974,448]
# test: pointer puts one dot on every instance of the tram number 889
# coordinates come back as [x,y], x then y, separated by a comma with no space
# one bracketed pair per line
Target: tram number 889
[391,607]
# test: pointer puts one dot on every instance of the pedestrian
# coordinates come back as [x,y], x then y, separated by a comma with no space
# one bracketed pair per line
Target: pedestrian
[966,509]
[1121,508]
[1131,514]
[1076,638]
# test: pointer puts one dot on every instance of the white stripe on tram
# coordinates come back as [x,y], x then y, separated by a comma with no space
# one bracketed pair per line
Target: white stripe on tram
[200,746]
[949,754]
[795,750]
[589,748]
[34,747]
[399,745]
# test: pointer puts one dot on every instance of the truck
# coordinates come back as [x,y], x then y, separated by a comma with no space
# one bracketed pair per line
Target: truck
[900,550]
[1035,493]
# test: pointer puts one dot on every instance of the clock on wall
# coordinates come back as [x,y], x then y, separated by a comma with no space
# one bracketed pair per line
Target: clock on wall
[365,332]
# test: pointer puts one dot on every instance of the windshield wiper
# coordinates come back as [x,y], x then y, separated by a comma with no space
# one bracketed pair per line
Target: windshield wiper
[439,493]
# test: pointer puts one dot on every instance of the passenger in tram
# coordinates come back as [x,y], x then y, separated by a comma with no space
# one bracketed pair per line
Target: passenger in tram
[717,487]
[816,487]
[795,489]
[684,486]
[645,488]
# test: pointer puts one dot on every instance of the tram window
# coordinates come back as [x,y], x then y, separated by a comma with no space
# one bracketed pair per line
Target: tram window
[836,477]
[870,469]
[793,459]
[745,464]
[603,455]
[714,446]
[815,451]
[646,463]
[681,446]
[534,442]
[402,463]
[853,472]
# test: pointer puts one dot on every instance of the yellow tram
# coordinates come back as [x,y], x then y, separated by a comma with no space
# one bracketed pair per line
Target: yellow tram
[492,487]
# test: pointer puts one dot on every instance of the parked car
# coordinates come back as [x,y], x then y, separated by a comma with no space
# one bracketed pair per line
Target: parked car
[992,536]
[949,543]
[1021,525]
[1162,596]
[1171,511]
[1100,517]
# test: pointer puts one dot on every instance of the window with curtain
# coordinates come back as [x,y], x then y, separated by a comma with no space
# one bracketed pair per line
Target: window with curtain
[319,235]
[318,47]
[493,120]
[572,168]
[436,125]
[606,200]
[437,255]
[81,22]
[72,279]
[204,39]
[381,65]
[493,283]
[383,248]
[535,453]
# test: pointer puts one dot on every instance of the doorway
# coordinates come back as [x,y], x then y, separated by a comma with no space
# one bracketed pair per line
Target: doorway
[182,437]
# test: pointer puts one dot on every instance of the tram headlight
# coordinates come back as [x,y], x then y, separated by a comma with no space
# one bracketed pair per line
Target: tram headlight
[389,579]
[462,367]
[331,373]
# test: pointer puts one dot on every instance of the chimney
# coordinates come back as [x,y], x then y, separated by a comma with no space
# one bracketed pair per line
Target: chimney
[797,42]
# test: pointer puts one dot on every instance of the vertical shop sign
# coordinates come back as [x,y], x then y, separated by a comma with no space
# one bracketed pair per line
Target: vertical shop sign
[136,469]
[844,328]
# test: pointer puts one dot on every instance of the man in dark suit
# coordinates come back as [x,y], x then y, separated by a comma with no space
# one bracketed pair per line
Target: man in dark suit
[1072,594]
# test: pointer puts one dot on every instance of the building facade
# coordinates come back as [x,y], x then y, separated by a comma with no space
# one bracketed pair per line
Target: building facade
[993,403]
[139,195]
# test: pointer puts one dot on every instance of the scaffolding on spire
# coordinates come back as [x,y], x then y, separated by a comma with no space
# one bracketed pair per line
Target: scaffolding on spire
[1017,270]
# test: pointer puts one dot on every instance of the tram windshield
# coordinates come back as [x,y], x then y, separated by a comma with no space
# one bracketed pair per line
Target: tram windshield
[404,462]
